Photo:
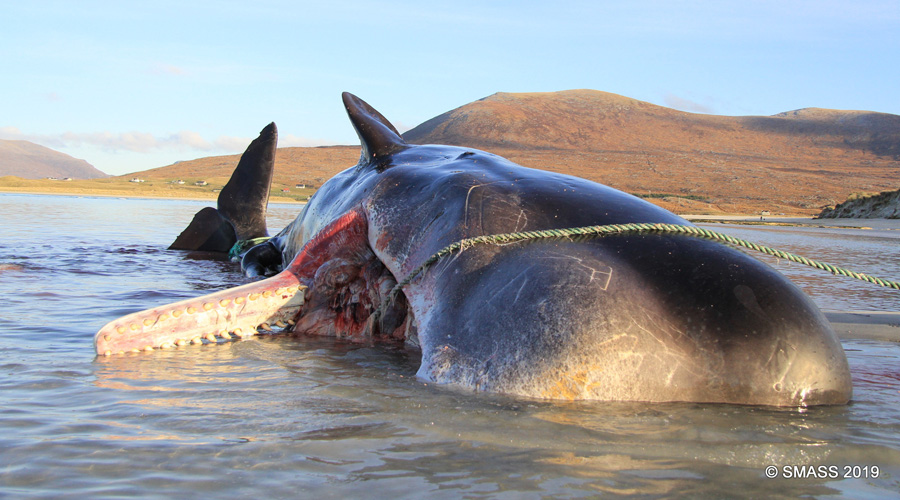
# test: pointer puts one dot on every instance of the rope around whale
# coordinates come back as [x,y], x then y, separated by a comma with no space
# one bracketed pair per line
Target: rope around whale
[636,228]
[243,245]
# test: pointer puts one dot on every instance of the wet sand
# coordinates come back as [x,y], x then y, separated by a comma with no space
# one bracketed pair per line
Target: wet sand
[866,324]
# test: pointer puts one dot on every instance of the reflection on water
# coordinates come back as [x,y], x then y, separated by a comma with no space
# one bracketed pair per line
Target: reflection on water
[311,417]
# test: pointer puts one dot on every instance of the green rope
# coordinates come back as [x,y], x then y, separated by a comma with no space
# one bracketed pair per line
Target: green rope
[607,230]
[242,245]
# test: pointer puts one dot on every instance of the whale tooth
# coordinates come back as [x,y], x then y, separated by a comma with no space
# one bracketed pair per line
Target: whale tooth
[121,329]
[253,296]
[211,337]
[196,340]
[163,317]
[135,327]
[267,294]
[238,300]
[224,302]
[181,342]
[266,327]
[225,335]
[135,350]
[191,310]
[107,353]
[177,312]
[148,322]
[291,322]
[148,347]
[207,306]
[106,338]
[280,324]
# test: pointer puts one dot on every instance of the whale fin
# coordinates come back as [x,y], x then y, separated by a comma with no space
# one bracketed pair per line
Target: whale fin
[241,213]
[207,232]
[244,199]
[377,136]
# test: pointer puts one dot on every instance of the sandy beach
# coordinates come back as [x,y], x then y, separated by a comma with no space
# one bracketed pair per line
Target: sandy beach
[889,224]
[866,324]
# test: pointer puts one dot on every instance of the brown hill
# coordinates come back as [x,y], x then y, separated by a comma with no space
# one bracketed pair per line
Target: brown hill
[31,161]
[590,120]
[293,166]
[795,162]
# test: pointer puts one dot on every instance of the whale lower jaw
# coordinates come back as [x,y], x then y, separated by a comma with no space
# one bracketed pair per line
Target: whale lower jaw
[237,312]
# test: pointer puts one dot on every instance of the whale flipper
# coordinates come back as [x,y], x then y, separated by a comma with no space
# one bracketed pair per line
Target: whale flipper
[207,232]
[241,212]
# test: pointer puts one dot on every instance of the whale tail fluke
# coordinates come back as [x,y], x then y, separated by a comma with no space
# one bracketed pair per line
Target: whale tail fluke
[241,207]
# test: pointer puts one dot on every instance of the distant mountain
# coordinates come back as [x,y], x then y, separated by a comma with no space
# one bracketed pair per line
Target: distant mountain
[590,120]
[31,161]
[690,163]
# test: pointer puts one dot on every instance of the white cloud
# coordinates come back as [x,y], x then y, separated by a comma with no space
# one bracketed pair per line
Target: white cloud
[10,133]
[230,143]
[680,103]
[145,142]
[401,127]
[137,142]
[167,69]
[293,141]
[190,140]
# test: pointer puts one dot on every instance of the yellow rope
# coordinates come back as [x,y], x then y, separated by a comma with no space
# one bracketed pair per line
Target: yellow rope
[621,229]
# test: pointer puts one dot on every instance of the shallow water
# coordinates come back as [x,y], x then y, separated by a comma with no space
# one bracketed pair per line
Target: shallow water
[285,418]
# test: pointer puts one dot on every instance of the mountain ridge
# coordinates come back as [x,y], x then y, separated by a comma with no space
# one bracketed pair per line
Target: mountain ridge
[592,120]
[28,160]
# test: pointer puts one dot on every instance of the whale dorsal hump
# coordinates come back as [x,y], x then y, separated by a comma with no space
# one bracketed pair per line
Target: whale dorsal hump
[377,136]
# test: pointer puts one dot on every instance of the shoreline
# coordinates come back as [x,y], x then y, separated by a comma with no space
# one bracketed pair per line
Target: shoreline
[741,219]
[865,325]
[756,220]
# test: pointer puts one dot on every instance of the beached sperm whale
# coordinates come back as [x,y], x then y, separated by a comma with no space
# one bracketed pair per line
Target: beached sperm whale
[641,317]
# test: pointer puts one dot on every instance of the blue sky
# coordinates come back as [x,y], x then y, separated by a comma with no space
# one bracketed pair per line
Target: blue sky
[129,86]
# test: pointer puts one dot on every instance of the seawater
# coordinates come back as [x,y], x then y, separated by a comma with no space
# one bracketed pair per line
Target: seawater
[288,418]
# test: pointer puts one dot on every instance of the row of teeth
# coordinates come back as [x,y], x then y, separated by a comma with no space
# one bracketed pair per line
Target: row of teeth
[210,337]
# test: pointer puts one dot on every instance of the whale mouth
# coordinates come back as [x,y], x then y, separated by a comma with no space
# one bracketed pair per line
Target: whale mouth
[331,288]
